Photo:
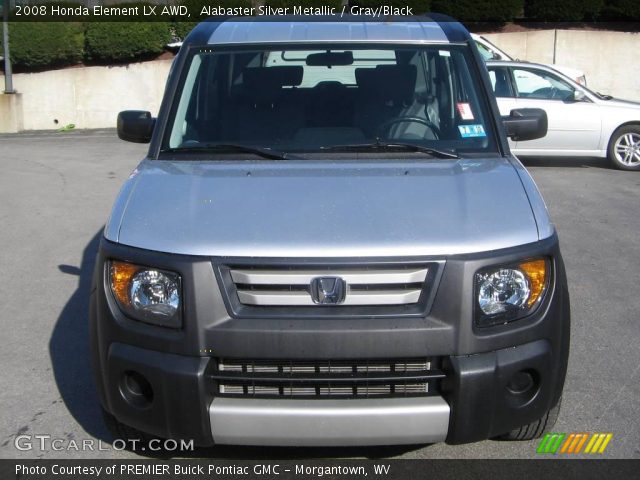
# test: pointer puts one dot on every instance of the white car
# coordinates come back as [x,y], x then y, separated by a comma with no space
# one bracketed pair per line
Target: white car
[582,123]
[490,52]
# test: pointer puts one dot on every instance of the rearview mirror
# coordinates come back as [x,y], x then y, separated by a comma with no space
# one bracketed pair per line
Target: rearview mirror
[329,59]
[135,126]
[526,124]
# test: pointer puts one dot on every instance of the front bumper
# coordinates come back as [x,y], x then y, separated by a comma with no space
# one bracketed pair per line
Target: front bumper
[309,423]
[472,403]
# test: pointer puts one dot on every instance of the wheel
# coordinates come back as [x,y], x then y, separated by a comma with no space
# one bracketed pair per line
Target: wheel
[624,148]
[535,429]
[389,123]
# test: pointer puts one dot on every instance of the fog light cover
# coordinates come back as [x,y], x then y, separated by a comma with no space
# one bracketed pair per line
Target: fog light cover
[147,294]
[507,293]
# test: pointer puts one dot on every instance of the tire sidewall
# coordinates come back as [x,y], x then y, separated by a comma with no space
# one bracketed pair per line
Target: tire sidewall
[614,138]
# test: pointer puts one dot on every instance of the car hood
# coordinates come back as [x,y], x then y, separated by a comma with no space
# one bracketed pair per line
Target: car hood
[618,102]
[327,209]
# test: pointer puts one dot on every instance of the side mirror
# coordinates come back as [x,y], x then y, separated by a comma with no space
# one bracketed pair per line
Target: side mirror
[526,124]
[578,95]
[135,126]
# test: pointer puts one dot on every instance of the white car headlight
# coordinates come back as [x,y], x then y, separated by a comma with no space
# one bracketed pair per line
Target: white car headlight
[502,291]
[507,293]
[146,294]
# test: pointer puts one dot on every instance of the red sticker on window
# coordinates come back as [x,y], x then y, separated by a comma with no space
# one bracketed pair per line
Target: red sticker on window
[464,109]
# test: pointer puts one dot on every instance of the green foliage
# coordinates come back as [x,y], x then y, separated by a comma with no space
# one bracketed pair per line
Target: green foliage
[303,3]
[565,11]
[479,10]
[592,9]
[337,4]
[41,45]
[51,44]
[182,28]
[621,10]
[125,41]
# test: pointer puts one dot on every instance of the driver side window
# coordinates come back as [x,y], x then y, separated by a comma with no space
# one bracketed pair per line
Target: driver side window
[540,85]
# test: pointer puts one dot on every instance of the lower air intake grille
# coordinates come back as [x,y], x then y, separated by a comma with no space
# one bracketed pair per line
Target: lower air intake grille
[322,379]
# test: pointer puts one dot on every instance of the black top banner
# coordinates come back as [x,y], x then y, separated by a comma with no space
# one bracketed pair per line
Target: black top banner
[194,11]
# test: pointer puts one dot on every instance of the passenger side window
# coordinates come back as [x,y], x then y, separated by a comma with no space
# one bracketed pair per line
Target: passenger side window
[541,85]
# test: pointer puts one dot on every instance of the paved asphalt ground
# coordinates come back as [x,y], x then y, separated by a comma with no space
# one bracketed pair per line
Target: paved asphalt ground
[56,190]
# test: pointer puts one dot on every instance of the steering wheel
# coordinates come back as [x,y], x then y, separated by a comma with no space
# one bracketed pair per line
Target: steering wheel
[546,92]
[389,123]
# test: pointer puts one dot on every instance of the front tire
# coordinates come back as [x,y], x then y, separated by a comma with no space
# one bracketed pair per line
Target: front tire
[535,429]
[624,148]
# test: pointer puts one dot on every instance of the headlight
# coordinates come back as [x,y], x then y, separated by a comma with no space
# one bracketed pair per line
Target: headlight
[146,294]
[511,292]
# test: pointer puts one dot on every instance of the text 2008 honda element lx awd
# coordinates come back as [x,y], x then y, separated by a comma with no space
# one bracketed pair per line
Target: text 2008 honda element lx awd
[330,243]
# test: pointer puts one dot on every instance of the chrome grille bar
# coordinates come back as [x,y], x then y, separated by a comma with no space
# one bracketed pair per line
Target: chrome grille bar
[364,287]
[304,277]
[324,378]
[275,366]
[353,297]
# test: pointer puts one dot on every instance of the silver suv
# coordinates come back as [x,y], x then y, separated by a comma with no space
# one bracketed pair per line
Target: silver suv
[329,243]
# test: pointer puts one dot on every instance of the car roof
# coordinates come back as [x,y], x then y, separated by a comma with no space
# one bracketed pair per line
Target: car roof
[518,63]
[434,28]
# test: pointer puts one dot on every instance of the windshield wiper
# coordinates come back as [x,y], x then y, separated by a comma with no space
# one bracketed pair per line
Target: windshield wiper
[390,146]
[229,147]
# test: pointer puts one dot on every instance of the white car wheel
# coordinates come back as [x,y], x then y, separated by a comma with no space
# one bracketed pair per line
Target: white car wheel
[624,148]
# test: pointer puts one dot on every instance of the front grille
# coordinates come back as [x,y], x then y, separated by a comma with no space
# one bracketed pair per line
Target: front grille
[363,286]
[300,288]
[318,379]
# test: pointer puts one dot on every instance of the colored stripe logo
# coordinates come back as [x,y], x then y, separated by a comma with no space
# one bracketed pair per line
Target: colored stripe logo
[573,443]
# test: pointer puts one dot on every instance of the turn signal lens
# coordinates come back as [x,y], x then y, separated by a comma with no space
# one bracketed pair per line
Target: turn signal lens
[536,272]
[121,274]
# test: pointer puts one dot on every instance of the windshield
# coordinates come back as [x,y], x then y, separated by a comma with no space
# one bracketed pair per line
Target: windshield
[301,100]
[486,52]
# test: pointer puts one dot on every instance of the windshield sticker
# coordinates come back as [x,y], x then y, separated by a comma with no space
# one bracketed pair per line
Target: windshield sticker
[444,53]
[464,109]
[471,131]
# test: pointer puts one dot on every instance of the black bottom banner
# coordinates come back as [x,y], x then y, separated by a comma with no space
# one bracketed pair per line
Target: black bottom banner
[313,469]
